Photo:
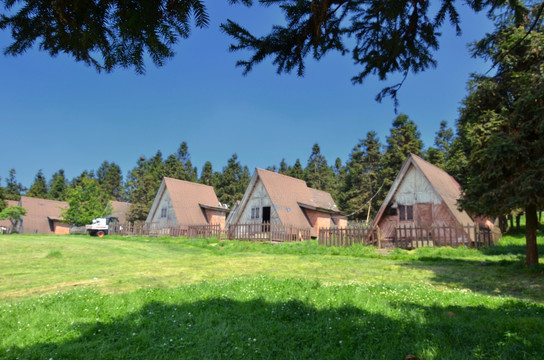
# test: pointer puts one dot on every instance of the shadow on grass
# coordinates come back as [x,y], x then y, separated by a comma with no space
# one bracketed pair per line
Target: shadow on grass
[503,277]
[228,329]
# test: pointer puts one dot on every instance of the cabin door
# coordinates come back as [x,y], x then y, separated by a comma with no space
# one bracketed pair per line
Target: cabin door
[425,214]
[266,218]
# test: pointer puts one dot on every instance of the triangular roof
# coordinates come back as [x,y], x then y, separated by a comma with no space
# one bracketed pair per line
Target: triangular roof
[188,200]
[288,195]
[39,213]
[120,210]
[444,185]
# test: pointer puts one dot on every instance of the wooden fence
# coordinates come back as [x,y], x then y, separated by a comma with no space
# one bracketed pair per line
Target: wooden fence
[348,236]
[141,228]
[267,232]
[474,236]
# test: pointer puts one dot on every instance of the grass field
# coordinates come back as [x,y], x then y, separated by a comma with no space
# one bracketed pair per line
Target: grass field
[64,297]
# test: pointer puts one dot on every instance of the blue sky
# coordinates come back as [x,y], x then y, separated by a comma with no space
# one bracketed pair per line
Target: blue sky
[59,114]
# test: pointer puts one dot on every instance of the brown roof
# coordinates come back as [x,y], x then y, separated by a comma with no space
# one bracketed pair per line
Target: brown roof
[187,198]
[120,210]
[443,184]
[7,223]
[289,194]
[40,214]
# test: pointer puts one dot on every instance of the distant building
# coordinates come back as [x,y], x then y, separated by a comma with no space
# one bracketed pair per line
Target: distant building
[275,198]
[43,216]
[186,203]
[422,195]
[120,210]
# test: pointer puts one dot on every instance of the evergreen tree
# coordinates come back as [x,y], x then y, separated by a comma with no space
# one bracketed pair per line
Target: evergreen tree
[39,188]
[296,171]
[232,183]
[207,177]
[443,140]
[156,169]
[86,201]
[385,36]
[362,181]
[190,172]
[173,168]
[503,122]
[58,186]
[318,174]
[404,139]
[390,36]
[142,188]
[283,168]
[457,160]
[13,187]
[110,180]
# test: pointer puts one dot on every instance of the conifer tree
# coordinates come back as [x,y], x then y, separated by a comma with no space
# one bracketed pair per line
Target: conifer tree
[207,177]
[404,139]
[190,172]
[318,174]
[39,188]
[58,186]
[362,181]
[385,37]
[502,120]
[13,187]
[283,168]
[173,168]
[110,180]
[141,189]
[443,140]
[232,182]
[296,171]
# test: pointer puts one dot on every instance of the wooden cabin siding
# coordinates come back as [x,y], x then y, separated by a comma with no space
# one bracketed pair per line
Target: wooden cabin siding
[61,228]
[340,221]
[424,214]
[259,198]
[165,202]
[318,220]
[215,217]
[416,189]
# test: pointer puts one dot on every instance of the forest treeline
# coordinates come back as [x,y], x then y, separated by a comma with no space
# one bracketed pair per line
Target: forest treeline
[358,185]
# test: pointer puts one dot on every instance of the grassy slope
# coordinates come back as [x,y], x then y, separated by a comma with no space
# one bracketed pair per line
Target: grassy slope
[164,298]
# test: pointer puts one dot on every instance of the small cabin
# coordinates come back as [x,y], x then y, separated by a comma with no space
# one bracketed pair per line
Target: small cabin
[280,199]
[422,195]
[186,203]
[43,216]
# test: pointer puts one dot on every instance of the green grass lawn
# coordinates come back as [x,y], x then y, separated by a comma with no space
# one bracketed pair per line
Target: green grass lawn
[65,297]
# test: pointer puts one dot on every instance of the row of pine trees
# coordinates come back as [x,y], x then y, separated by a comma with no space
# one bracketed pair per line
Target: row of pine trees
[358,186]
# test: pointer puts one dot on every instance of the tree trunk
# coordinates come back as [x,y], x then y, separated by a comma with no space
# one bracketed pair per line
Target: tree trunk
[531,224]
[518,220]
[503,223]
[511,218]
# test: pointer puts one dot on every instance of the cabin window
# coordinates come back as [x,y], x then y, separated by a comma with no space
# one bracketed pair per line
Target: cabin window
[255,213]
[163,212]
[406,212]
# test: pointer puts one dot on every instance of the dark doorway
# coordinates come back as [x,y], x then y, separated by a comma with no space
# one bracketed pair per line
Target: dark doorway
[266,218]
